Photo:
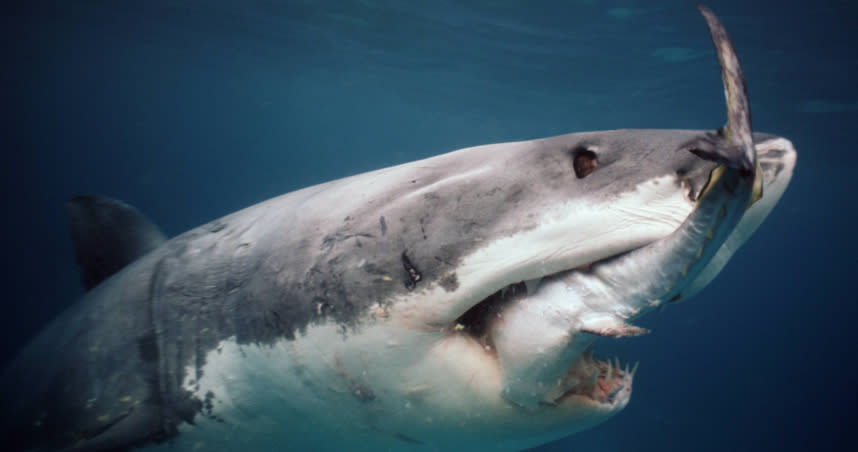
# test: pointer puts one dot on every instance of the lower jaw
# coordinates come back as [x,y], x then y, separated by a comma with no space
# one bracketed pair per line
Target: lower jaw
[603,382]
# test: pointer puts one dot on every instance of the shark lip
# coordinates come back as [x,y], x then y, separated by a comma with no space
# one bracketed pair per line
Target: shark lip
[476,320]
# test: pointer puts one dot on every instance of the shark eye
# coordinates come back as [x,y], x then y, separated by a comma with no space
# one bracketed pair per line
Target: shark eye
[584,161]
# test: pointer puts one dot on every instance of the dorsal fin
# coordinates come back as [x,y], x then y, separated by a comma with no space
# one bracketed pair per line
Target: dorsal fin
[108,235]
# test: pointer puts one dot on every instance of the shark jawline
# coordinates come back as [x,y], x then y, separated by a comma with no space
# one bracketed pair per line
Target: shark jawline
[594,380]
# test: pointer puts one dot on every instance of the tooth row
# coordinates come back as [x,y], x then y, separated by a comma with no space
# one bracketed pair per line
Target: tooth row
[625,379]
[611,372]
[611,368]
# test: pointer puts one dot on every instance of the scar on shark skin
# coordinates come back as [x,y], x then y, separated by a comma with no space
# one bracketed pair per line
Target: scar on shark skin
[383,225]
[413,276]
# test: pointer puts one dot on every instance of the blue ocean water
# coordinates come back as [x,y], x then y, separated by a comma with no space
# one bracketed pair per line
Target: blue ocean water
[193,109]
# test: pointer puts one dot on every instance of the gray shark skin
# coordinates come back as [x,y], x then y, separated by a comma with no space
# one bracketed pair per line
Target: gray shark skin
[434,305]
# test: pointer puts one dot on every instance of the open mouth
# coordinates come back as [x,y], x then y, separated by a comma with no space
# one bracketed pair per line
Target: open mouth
[588,378]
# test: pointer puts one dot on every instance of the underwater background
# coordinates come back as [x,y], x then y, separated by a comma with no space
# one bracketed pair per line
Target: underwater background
[190,110]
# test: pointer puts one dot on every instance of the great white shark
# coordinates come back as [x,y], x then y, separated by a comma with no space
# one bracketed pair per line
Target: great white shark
[443,304]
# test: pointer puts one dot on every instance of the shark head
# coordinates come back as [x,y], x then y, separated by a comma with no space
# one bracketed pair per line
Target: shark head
[480,364]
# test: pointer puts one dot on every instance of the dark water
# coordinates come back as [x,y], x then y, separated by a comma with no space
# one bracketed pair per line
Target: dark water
[193,109]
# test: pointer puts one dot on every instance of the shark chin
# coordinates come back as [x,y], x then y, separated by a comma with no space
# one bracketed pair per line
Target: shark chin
[450,303]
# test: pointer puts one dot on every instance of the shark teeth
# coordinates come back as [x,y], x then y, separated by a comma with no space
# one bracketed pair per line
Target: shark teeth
[613,394]
[606,382]
[593,378]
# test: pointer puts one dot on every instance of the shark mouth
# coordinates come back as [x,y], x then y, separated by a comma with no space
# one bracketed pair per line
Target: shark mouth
[597,381]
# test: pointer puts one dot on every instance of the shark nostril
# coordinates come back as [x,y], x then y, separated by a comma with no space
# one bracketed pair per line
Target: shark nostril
[584,162]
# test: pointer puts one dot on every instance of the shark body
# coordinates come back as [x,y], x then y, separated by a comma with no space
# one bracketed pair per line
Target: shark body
[448,303]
